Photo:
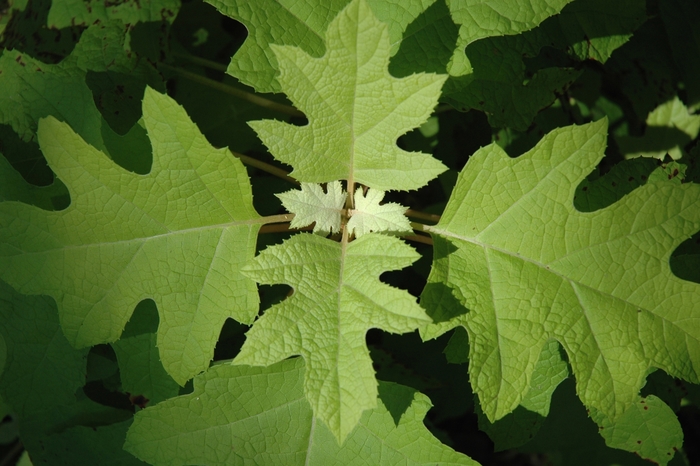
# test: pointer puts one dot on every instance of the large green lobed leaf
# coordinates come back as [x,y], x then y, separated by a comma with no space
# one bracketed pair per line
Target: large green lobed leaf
[235,412]
[337,299]
[516,264]
[356,109]
[178,235]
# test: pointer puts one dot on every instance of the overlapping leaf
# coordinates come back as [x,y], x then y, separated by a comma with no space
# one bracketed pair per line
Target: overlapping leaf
[31,90]
[337,298]
[179,235]
[14,188]
[516,265]
[235,409]
[479,19]
[41,383]
[65,13]
[513,79]
[670,126]
[356,110]
[300,24]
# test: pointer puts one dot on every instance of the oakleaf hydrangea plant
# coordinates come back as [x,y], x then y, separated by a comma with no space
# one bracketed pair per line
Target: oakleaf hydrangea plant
[196,270]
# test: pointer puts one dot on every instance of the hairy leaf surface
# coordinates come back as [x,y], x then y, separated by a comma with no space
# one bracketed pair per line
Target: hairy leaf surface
[266,403]
[520,265]
[368,215]
[313,204]
[178,235]
[356,109]
[337,298]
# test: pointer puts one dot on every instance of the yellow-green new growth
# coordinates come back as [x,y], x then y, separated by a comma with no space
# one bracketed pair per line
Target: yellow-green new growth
[311,204]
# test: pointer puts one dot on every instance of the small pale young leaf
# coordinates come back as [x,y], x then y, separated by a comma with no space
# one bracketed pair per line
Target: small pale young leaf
[179,234]
[236,413]
[311,204]
[368,215]
[670,126]
[337,298]
[523,266]
[356,109]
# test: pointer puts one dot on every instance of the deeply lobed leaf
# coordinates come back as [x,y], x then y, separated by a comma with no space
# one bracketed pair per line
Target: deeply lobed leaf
[521,265]
[356,109]
[337,298]
[235,409]
[179,235]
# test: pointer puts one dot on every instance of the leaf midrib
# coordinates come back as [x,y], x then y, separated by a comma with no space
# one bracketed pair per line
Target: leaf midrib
[220,226]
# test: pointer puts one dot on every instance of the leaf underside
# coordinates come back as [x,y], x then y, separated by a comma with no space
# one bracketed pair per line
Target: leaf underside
[178,235]
[356,109]
[516,264]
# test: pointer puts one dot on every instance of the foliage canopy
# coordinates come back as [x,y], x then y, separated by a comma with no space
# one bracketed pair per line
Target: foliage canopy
[500,217]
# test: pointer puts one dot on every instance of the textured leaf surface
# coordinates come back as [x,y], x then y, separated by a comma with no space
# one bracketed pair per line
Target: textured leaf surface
[42,370]
[337,298]
[313,204]
[356,110]
[520,266]
[296,23]
[368,215]
[299,24]
[235,411]
[480,18]
[30,90]
[178,235]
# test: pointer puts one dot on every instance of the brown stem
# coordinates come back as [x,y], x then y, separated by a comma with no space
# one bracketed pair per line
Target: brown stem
[202,62]
[252,98]
[266,167]
[423,216]
[419,239]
